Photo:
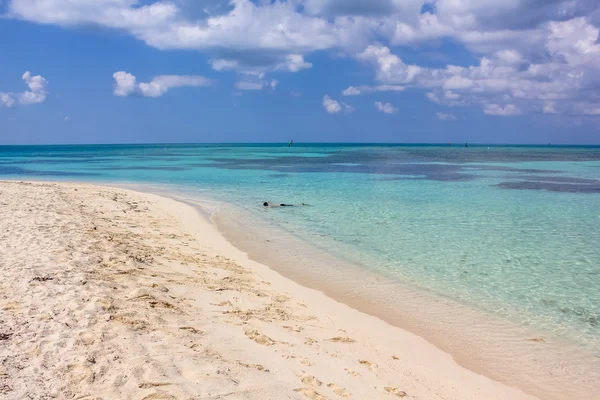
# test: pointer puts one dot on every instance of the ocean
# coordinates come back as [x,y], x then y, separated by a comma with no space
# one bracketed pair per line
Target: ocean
[510,231]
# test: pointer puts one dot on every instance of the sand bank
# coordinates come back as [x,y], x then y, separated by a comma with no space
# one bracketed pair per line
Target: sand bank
[112,294]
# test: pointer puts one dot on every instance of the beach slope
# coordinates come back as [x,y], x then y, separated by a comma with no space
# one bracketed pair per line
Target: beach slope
[112,294]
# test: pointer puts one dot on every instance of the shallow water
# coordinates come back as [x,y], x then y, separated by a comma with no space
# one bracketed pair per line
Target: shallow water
[511,231]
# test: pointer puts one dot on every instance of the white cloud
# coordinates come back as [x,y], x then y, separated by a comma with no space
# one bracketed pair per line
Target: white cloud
[256,84]
[389,67]
[351,91]
[6,99]
[349,7]
[587,109]
[250,35]
[290,63]
[569,76]
[126,84]
[331,106]
[36,94]
[334,107]
[549,108]
[458,82]
[224,65]
[294,63]
[246,85]
[348,108]
[498,110]
[355,91]
[67,118]
[446,117]
[434,97]
[386,108]
[530,52]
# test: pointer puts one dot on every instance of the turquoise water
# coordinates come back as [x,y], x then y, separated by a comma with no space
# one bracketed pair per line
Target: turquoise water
[513,231]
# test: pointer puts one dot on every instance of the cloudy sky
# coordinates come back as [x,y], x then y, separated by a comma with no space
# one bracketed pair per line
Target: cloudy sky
[491,71]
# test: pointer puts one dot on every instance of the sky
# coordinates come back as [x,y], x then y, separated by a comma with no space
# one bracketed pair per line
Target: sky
[395,71]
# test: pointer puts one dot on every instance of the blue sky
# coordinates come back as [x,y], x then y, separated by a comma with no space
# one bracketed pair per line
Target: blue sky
[126,71]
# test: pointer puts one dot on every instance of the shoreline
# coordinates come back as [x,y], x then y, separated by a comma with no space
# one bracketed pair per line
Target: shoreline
[547,367]
[112,293]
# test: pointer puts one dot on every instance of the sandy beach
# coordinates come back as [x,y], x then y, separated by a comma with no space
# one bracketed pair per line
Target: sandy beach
[113,294]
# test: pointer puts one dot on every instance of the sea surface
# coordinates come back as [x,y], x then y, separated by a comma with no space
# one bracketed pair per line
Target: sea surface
[512,231]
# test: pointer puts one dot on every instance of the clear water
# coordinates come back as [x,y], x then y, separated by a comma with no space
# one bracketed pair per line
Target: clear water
[513,231]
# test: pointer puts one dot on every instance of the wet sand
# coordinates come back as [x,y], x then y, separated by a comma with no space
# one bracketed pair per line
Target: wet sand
[108,293]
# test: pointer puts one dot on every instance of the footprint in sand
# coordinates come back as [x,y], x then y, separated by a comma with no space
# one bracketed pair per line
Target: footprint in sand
[311,394]
[191,330]
[340,339]
[353,373]
[293,328]
[338,390]
[395,391]
[159,396]
[149,385]
[257,366]
[260,339]
[311,380]
[281,298]
[368,364]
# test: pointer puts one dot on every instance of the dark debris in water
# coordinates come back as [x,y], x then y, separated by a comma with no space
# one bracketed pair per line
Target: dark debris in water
[551,186]
[556,179]
[142,168]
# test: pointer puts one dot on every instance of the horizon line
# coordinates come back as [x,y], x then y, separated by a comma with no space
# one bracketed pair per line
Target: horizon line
[550,144]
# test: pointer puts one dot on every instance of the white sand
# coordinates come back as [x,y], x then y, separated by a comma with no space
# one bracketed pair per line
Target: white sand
[112,294]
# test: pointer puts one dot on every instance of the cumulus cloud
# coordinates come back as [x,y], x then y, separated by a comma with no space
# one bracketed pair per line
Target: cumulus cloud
[36,94]
[496,109]
[352,91]
[389,67]
[386,108]
[445,116]
[531,53]
[247,36]
[293,63]
[568,75]
[331,106]
[6,99]
[335,107]
[126,84]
